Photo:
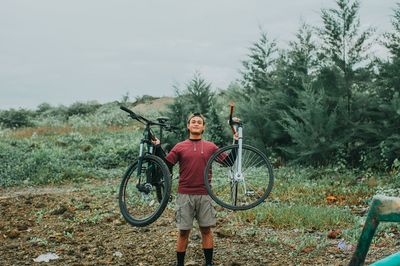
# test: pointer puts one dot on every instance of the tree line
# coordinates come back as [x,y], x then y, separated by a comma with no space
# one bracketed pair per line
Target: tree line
[325,99]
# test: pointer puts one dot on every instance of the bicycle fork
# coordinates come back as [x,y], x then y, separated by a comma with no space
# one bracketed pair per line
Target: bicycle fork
[140,159]
[239,177]
[145,187]
[141,156]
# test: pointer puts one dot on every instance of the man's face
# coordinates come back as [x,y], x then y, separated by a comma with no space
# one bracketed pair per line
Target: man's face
[196,125]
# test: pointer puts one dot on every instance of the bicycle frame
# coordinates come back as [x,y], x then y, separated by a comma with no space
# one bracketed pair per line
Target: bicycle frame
[146,185]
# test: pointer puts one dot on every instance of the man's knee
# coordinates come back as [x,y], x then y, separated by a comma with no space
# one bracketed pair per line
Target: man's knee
[205,230]
[184,233]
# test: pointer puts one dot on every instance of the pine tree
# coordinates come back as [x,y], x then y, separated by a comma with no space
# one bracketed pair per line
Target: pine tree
[177,112]
[295,68]
[387,147]
[313,129]
[392,41]
[343,47]
[199,95]
[258,67]
[214,128]
[253,98]
[196,97]
[389,71]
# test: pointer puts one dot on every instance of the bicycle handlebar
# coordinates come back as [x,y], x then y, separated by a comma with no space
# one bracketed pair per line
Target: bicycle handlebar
[231,122]
[127,110]
[146,121]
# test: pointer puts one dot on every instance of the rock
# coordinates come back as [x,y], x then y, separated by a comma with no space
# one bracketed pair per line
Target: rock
[28,201]
[117,254]
[22,227]
[59,210]
[224,233]
[333,234]
[195,237]
[40,205]
[69,229]
[12,234]
[68,215]
[46,257]
[119,222]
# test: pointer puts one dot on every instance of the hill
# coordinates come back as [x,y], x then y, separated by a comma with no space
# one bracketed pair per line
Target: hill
[149,105]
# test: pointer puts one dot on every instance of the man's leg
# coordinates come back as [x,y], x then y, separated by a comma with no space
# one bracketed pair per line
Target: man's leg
[184,223]
[207,243]
[181,245]
[206,217]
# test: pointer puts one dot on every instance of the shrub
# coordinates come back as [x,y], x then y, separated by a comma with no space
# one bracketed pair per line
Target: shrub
[16,118]
[79,108]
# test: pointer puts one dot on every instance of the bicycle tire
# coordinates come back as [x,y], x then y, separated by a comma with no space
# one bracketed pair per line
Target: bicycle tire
[143,207]
[257,183]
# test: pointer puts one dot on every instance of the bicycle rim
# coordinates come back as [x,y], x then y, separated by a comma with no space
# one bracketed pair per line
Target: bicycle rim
[239,192]
[143,198]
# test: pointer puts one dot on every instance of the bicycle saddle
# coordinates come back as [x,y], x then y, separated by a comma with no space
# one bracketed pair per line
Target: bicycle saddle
[162,119]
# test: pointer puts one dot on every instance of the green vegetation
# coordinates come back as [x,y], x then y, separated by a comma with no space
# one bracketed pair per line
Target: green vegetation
[324,110]
[46,156]
[318,198]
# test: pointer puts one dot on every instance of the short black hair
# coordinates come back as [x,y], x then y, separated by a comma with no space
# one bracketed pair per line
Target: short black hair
[197,114]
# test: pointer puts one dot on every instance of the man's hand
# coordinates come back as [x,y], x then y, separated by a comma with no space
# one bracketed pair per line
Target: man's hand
[156,141]
[236,136]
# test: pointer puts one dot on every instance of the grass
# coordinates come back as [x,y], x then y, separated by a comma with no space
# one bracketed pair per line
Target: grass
[299,200]
[321,200]
[282,215]
[303,198]
[38,241]
[46,158]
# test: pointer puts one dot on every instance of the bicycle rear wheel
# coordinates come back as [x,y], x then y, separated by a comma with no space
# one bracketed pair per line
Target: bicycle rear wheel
[143,198]
[234,190]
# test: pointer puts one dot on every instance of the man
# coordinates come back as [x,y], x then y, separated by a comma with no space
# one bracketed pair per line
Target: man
[192,199]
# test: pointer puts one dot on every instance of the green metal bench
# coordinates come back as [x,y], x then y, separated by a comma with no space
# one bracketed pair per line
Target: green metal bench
[383,209]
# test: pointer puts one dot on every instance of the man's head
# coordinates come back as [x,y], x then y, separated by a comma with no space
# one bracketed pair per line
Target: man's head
[196,124]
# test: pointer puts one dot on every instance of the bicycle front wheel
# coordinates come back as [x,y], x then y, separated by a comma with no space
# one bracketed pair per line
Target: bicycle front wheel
[144,192]
[238,186]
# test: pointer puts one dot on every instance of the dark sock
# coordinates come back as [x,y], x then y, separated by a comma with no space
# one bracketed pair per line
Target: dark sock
[180,257]
[208,254]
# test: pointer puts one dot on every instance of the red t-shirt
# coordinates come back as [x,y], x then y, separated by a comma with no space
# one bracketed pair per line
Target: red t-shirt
[192,156]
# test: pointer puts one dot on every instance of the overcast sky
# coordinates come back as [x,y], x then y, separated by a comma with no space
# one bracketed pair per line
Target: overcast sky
[62,52]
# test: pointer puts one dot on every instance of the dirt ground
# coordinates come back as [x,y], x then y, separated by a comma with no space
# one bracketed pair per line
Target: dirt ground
[82,225]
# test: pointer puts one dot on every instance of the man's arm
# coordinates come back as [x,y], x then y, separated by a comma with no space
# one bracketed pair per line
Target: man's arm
[229,160]
[158,147]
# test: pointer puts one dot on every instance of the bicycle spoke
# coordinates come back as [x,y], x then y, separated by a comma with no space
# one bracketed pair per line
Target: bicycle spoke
[239,191]
[143,198]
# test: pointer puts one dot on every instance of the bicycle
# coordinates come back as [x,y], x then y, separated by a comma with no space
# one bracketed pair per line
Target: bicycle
[242,181]
[146,185]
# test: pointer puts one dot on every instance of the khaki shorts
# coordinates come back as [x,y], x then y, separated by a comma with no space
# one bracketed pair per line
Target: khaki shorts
[189,207]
